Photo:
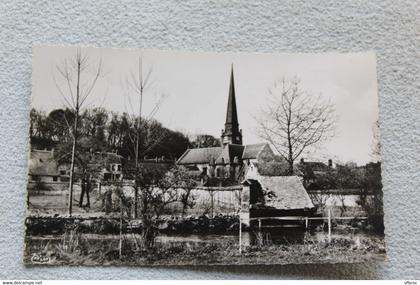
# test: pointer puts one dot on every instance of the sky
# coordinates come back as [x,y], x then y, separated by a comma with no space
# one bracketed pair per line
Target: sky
[194,87]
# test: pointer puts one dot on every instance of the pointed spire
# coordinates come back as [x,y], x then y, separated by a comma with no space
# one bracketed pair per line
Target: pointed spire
[231,113]
[231,134]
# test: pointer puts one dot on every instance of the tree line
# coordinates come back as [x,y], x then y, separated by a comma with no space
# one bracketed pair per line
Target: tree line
[104,131]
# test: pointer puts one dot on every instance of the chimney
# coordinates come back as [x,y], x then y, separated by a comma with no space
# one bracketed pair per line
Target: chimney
[330,163]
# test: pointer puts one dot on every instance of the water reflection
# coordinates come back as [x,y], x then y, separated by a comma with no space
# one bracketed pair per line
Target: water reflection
[263,237]
[280,236]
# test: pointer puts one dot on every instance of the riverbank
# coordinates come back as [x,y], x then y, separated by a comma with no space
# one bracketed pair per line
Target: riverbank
[111,225]
[88,250]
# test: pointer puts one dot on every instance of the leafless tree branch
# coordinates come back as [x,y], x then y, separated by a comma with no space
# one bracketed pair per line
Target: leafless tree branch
[293,120]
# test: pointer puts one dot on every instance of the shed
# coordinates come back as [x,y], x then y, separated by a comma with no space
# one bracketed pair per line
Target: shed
[276,196]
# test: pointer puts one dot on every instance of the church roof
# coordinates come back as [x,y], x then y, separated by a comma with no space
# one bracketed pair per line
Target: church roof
[220,155]
[251,151]
[200,155]
[289,192]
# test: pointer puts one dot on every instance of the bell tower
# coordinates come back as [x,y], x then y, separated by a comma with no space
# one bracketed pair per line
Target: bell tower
[231,134]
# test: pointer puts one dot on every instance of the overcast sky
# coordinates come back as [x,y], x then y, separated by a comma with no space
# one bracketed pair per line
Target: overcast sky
[196,88]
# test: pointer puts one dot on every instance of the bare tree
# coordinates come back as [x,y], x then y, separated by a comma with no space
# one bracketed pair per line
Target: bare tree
[182,179]
[320,200]
[343,207]
[294,120]
[77,79]
[139,83]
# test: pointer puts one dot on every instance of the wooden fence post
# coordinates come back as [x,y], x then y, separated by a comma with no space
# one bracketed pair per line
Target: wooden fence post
[121,229]
[240,234]
[259,224]
[212,203]
[306,223]
[329,225]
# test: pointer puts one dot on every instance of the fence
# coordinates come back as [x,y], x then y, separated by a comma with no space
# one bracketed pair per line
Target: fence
[328,218]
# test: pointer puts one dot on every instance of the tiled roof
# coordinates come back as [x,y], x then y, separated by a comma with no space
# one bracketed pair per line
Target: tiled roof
[289,192]
[228,153]
[199,155]
[252,150]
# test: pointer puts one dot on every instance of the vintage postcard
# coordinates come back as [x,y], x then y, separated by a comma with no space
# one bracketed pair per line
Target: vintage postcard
[146,157]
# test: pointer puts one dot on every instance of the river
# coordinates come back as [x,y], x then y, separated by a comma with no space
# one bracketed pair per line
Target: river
[271,236]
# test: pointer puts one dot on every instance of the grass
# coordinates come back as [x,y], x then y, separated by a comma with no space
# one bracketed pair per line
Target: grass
[74,249]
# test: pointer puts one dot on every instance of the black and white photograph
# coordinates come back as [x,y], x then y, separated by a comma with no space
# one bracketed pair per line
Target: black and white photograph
[144,157]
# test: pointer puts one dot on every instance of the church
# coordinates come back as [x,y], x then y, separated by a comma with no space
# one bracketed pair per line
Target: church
[234,165]
[232,162]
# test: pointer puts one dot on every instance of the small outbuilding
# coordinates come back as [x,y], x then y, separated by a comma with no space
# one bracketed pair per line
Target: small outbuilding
[275,196]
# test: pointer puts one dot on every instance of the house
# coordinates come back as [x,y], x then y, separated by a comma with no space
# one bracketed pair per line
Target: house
[317,174]
[43,167]
[316,167]
[107,166]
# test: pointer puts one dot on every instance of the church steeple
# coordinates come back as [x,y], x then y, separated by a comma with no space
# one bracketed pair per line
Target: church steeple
[231,134]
